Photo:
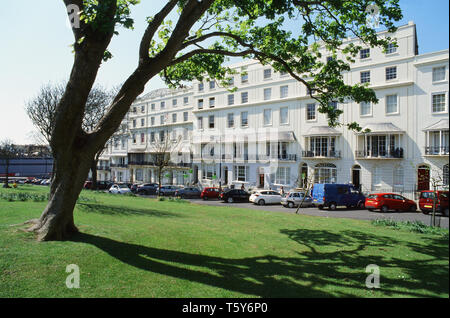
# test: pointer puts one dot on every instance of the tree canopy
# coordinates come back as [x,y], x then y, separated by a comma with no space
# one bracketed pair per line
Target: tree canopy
[195,45]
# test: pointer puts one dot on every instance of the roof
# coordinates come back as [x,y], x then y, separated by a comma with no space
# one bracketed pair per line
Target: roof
[376,128]
[322,131]
[440,125]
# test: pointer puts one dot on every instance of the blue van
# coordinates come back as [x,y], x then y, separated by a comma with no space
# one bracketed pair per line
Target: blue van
[332,195]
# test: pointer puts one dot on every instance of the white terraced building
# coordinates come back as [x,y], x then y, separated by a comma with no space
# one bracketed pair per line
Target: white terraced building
[268,132]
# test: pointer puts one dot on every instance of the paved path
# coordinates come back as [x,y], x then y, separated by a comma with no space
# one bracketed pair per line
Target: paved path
[339,213]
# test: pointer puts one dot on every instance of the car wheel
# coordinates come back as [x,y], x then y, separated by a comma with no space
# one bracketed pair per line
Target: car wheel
[320,207]
[230,200]
[412,208]
[261,202]
[291,205]
[205,198]
[384,209]
[425,212]
[333,206]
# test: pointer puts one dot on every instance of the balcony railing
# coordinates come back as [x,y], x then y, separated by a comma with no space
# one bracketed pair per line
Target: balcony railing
[103,167]
[396,153]
[321,154]
[141,163]
[119,165]
[437,151]
[247,157]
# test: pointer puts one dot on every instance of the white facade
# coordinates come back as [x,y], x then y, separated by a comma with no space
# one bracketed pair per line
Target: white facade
[268,132]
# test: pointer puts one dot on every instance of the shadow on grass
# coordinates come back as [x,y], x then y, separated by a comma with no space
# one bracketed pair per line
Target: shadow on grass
[121,210]
[339,273]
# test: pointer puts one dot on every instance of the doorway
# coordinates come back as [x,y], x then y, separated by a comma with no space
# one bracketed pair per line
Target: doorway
[225,175]
[304,176]
[356,176]
[423,178]
[261,180]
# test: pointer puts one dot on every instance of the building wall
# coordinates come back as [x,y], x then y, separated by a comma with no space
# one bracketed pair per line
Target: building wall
[413,86]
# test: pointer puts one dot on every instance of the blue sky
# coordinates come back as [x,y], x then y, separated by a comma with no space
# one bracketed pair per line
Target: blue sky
[36,50]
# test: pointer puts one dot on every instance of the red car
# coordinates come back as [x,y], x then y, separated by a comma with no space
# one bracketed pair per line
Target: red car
[210,193]
[389,201]
[426,202]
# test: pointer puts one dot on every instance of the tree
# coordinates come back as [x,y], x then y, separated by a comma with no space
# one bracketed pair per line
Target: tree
[42,110]
[195,46]
[7,151]
[163,150]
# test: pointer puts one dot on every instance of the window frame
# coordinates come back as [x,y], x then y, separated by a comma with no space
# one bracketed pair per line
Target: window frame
[445,102]
[387,105]
[308,112]
[287,115]
[386,73]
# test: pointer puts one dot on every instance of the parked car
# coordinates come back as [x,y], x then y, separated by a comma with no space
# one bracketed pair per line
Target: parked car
[101,185]
[235,195]
[389,201]
[294,199]
[332,195]
[46,182]
[210,193]
[262,197]
[147,188]
[119,188]
[189,192]
[168,190]
[426,202]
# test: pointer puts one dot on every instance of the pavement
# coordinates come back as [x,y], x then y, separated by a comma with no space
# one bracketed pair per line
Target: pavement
[338,213]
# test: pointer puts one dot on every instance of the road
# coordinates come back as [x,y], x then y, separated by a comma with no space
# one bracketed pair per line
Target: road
[338,213]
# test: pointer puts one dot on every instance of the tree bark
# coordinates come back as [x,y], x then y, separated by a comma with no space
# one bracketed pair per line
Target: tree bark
[56,221]
[6,185]
[94,174]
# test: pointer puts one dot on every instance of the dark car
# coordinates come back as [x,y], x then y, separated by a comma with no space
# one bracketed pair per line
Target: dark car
[426,201]
[167,190]
[190,192]
[389,201]
[235,195]
[332,195]
[147,188]
[101,185]
[210,193]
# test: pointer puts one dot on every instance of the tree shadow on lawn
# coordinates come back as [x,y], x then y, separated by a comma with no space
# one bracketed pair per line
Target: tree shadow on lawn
[121,210]
[417,274]
[339,273]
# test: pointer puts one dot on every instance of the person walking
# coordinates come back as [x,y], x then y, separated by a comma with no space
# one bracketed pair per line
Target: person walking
[282,191]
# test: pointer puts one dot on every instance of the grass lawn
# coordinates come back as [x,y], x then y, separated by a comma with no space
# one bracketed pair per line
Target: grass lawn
[140,247]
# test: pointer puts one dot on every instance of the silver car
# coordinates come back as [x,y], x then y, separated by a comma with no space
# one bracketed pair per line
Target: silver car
[293,199]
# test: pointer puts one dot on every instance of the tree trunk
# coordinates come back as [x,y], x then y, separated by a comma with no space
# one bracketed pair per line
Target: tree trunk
[6,185]
[56,221]
[94,174]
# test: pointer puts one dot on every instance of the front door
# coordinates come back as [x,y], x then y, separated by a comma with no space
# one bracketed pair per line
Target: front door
[225,173]
[356,177]
[261,180]
[423,178]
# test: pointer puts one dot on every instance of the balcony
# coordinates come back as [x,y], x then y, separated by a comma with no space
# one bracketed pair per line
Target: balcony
[119,165]
[396,153]
[331,154]
[141,163]
[437,151]
[103,168]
